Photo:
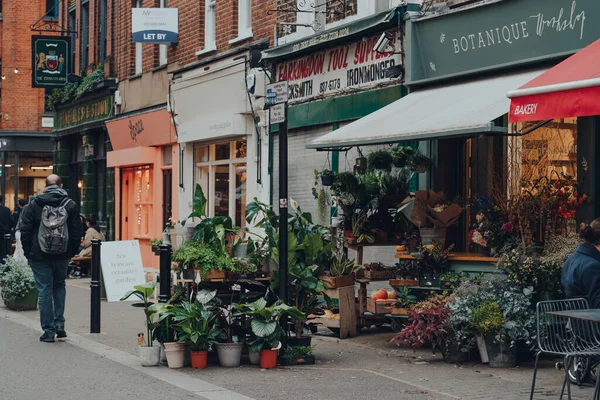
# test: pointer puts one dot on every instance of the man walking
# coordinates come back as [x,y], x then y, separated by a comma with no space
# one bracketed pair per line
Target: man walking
[50,233]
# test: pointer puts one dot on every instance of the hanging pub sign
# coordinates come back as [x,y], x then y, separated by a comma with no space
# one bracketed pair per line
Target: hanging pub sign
[154,25]
[50,61]
[337,70]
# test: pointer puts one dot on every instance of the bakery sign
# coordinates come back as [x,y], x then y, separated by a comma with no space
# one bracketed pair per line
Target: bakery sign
[337,70]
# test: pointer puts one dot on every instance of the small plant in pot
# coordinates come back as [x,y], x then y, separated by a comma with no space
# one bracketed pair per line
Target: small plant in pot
[381,160]
[164,330]
[404,300]
[327,177]
[230,351]
[402,155]
[267,332]
[420,163]
[297,355]
[341,272]
[197,326]
[155,244]
[150,353]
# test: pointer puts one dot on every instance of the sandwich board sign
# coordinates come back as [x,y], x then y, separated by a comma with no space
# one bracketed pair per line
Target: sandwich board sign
[122,268]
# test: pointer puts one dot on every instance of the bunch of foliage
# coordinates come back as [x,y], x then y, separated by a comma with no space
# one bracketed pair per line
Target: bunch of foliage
[205,256]
[16,279]
[75,90]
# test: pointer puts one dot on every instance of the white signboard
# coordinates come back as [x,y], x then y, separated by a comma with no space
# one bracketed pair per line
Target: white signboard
[122,268]
[277,93]
[47,122]
[332,71]
[155,25]
[277,114]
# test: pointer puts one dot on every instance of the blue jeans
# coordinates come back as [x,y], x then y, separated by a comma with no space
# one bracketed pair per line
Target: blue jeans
[50,278]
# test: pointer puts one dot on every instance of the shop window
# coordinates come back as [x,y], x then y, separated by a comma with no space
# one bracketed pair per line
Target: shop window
[221,171]
[244,28]
[85,35]
[137,203]
[210,26]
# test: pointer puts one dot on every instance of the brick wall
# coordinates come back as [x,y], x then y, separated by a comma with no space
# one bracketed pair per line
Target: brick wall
[21,105]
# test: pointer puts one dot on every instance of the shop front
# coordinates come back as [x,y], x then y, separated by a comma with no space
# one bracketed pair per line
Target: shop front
[143,155]
[81,144]
[221,136]
[460,66]
[332,82]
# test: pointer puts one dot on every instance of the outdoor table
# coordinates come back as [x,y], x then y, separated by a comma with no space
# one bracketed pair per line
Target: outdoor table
[591,315]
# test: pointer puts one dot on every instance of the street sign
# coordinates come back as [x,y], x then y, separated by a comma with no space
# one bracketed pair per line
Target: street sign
[277,93]
[277,114]
[122,268]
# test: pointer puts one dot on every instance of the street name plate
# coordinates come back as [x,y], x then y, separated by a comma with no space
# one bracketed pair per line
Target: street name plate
[122,268]
[277,93]
[277,114]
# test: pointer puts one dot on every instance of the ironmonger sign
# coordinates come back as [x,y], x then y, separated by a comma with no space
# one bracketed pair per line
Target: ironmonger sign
[50,60]
[351,66]
[94,110]
[499,35]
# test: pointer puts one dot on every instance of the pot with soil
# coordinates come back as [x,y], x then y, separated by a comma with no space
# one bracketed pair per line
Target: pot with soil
[149,355]
[175,353]
[230,354]
[268,359]
[199,359]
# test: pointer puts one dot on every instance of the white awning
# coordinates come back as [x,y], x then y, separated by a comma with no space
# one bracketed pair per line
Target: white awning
[454,110]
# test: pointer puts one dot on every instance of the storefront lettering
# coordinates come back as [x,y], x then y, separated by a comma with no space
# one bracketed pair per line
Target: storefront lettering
[526,109]
[97,110]
[335,70]
[135,129]
[322,38]
[518,30]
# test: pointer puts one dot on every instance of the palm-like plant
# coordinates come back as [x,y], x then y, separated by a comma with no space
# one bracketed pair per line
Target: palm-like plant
[143,292]
[265,322]
[197,325]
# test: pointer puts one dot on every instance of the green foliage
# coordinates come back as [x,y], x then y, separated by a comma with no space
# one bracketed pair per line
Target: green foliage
[402,155]
[381,160]
[16,279]
[298,351]
[420,160]
[196,325]
[488,317]
[345,182]
[341,266]
[75,90]
[405,298]
[143,292]
[205,256]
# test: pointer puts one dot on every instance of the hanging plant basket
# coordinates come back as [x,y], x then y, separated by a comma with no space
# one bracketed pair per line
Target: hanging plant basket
[327,180]
[361,165]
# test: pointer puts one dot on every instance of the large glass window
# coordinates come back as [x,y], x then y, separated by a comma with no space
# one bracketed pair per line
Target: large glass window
[221,171]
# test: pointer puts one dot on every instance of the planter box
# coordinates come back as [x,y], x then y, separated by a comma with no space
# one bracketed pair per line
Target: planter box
[27,303]
[334,282]
[378,275]
[380,306]
[215,275]
[293,360]
[399,311]
[403,282]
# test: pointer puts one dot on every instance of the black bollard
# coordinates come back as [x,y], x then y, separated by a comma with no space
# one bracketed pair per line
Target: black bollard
[95,285]
[7,245]
[165,273]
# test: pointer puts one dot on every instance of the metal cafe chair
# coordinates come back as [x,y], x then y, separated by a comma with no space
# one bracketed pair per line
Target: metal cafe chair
[585,342]
[555,335]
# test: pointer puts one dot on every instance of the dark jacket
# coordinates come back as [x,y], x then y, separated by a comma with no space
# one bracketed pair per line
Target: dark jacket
[15,218]
[6,221]
[30,223]
[581,274]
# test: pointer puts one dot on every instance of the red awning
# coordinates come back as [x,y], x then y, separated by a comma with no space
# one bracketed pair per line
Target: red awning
[570,89]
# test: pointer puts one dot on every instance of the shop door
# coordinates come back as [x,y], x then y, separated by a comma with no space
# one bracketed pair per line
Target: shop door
[167,195]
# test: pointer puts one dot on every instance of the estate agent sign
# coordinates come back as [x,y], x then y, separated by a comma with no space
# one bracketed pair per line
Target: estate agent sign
[155,25]
[498,35]
[50,60]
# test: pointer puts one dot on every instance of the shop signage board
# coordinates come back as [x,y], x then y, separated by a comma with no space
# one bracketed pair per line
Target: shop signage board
[499,35]
[122,268]
[345,68]
[277,93]
[277,114]
[50,61]
[155,25]
[93,110]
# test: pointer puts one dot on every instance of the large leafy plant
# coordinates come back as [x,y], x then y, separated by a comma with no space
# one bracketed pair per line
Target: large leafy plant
[144,292]
[265,322]
[206,256]
[196,325]
[16,279]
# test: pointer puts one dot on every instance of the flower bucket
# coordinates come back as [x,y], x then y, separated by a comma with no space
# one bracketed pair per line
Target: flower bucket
[501,355]
[199,359]
[268,359]
[230,354]
[149,356]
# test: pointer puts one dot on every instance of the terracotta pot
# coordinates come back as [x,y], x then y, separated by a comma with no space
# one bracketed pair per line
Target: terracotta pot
[268,359]
[199,359]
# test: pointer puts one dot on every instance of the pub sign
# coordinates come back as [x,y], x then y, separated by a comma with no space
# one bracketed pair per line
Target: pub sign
[50,57]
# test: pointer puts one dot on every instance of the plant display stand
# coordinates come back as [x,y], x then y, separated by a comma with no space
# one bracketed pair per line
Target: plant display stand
[346,324]
[466,262]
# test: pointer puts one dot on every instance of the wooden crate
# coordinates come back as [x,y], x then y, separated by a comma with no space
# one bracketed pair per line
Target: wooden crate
[334,282]
[403,282]
[378,275]
[399,311]
[215,276]
[380,306]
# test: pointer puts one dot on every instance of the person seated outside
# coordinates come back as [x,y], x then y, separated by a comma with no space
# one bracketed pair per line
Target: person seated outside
[581,272]
[92,232]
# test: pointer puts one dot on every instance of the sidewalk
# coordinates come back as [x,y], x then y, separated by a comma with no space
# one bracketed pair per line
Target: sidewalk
[363,367]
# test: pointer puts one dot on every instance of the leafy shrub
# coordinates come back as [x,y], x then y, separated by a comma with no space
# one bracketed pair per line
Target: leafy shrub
[16,279]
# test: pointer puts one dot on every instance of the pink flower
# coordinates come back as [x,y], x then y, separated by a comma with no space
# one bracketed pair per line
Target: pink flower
[507,227]
[478,239]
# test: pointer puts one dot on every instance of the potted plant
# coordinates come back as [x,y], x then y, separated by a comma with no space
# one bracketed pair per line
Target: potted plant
[298,355]
[341,272]
[380,160]
[230,351]
[150,353]
[404,299]
[210,261]
[155,244]
[267,332]
[197,326]
[360,228]
[164,328]
[401,155]
[361,163]
[327,177]
[420,163]
[18,285]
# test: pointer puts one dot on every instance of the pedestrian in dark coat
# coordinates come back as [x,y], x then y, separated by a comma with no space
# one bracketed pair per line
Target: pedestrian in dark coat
[6,220]
[581,271]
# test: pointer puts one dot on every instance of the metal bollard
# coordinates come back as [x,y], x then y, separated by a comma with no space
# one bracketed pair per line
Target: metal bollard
[7,245]
[95,286]
[165,273]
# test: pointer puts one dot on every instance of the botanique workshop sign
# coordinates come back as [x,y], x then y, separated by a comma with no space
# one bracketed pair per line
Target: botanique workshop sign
[94,110]
[50,60]
[332,71]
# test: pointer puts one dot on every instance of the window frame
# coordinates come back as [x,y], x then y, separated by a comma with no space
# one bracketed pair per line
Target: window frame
[210,27]
[139,59]
[244,27]
[51,12]
[162,49]
[85,36]
[102,37]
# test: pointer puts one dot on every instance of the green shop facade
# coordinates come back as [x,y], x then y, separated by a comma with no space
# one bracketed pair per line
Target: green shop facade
[81,143]
[334,77]
[459,67]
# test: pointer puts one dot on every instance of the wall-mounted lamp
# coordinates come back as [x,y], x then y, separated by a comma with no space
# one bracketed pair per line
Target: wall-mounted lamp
[16,70]
[80,184]
[3,76]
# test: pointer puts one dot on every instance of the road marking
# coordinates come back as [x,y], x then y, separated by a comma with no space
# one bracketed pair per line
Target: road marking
[181,380]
